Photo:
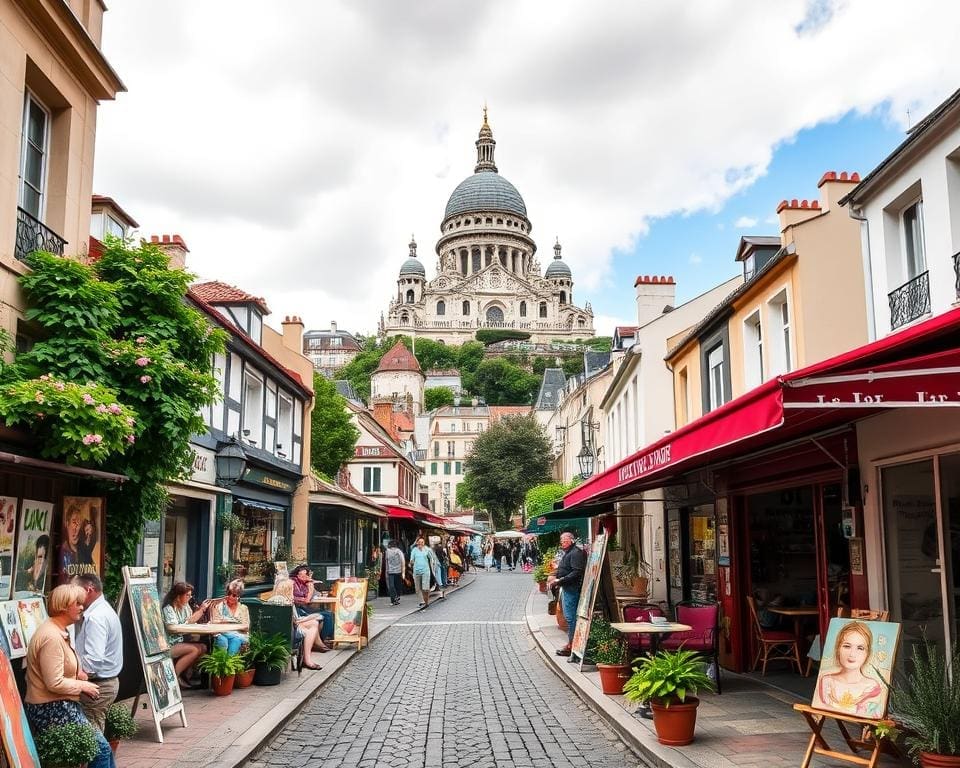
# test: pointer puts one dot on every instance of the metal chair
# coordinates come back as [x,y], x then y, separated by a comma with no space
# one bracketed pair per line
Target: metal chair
[785,644]
[703,637]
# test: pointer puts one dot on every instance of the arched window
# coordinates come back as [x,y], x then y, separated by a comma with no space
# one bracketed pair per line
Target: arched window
[563,297]
[466,308]
[404,319]
[494,315]
[410,296]
[476,264]
[543,309]
[441,308]
[523,309]
[581,322]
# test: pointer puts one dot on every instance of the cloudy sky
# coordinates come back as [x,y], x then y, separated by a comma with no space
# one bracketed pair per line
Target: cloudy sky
[297,145]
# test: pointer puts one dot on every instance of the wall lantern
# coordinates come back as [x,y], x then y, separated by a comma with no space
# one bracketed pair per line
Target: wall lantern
[231,463]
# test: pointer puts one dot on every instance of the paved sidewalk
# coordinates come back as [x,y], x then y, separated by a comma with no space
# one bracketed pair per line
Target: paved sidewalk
[225,731]
[749,724]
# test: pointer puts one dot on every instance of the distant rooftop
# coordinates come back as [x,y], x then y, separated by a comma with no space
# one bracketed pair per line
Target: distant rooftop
[551,389]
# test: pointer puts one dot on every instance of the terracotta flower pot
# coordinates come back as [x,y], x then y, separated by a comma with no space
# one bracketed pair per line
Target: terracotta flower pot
[561,619]
[245,678]
[222,686]
[114,746]
[612,678]
[931,760]
[675,724]
[542,586]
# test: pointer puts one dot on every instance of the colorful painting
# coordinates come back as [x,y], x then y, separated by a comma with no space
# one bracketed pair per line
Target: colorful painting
[857,664]
[32,613]
[162,684]
[588,595]
[18,746]
[145,603]
[10,625]
[348,617]
[80,537]
[33,548]
[8,529]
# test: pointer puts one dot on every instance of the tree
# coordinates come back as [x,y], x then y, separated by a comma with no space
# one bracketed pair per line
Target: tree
[435,397]
[469,357]
[332,434]
[500,382]
[506,461]
[539,499]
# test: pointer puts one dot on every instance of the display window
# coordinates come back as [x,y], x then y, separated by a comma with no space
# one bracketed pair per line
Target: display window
[254,545]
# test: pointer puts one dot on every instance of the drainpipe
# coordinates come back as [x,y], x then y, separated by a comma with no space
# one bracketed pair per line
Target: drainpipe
[856,213]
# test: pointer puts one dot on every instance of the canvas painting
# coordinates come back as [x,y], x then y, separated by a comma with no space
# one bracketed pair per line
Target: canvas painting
[33,548]
[588,595]
[145,602]
[18,746]
[348,619]
[80,537]
[162,684]
[10,625]
[8,530]
[857,663]
[32,613]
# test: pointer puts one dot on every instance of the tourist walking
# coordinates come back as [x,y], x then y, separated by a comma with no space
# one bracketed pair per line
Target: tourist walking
[569,577]
[99,648]
[396,563]
[422,559]
[440,568]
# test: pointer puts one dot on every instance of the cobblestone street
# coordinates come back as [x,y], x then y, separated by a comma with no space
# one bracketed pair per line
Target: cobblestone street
[456,685]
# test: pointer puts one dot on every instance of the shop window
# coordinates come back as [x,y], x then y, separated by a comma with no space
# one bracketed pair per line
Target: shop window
[324,536]
[255,544]
[371,479]
[753,350]
[252,405]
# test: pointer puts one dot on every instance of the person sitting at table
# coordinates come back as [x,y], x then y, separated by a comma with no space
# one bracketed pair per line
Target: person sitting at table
[176,610]
[307,627]
[230,610]
[303,594]
[54,677]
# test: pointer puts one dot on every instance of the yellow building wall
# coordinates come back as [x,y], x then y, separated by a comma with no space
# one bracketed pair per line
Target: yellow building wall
[687,360]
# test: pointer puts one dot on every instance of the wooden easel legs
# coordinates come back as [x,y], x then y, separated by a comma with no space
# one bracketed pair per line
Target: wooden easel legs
[819,746]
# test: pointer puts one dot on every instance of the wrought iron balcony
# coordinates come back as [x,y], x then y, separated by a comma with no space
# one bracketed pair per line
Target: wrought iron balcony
[33,235]
[910,301]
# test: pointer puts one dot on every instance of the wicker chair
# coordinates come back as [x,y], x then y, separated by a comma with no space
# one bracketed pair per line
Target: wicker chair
[785,646]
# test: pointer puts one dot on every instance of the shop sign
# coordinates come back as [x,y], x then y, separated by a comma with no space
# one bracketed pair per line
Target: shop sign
[923,387]
[203,469]
[269,480]
[642,465]
[370,451]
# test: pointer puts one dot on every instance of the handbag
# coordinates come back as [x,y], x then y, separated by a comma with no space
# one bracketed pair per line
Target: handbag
[552,607]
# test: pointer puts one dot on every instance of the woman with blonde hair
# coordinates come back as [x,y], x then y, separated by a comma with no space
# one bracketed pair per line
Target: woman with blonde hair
[850,688]
[55,679]
[230,610]
[307,627]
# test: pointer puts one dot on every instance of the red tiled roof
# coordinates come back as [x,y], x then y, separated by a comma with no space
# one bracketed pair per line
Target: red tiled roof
[626,330]
[215,292]
[399,358]
[402,420]
[498,412]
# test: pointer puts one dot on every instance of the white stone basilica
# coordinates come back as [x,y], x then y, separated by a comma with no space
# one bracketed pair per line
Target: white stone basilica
[487,272]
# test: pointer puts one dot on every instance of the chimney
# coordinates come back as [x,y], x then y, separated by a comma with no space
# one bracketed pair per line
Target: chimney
[293,333]
[795,211]
[834,185]
[174,247]
[655,293]
[383,414]
[333,327]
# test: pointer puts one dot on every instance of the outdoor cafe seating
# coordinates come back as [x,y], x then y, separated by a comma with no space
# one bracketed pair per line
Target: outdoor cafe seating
[773,644]
[703,637]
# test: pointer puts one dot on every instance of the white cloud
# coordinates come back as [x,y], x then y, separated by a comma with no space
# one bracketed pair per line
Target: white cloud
[604,324]
[695,258]
[745,222]
[296,145]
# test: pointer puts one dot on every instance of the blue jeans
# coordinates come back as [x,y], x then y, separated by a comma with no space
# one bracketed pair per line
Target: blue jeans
[231,641]
[569,601]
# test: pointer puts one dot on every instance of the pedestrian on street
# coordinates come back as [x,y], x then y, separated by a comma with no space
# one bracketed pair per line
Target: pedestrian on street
[423,559]
[569,577]
[99,648]
[396,562]
[487,557]
[498,556]
[440,568]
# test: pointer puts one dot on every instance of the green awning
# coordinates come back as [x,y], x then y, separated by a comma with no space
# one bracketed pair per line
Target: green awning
[551,523]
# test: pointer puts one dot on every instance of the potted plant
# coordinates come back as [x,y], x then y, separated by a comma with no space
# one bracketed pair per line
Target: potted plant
[926,705]
[119,725]
[668,680]
[269,654]
[62,746]
[244,678]
[610,656]
[222,668]
[540,575]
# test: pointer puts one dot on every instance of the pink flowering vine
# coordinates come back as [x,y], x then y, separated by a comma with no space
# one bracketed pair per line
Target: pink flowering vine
[146,379]
[114,409]
[142,361]
[88,398]
[92,439]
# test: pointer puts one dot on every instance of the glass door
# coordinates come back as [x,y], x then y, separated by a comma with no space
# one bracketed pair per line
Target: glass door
[949,479]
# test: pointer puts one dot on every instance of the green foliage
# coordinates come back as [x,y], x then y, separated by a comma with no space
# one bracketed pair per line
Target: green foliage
[540,573]
[506,461]
[500,382]
[68,744]
[540,364]
[540,499]
[470,356]
[597,343]
[573,365]
[121,323]
[493,335]
[272,651]
[436,397]
[926,702]
[119,723]
[610,650]
[221,663]
[332,434]
[667,677]
[464,497]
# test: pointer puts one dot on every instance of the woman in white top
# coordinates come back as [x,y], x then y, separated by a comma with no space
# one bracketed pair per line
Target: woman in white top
[176,610]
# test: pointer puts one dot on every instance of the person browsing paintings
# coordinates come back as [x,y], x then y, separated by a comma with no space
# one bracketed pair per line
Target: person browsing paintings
[55,679]
[307,627]
[230,610]
[850,689]
[569,577]
[303,593]
[99,648]
[33,578]
[422,559]
[176,610]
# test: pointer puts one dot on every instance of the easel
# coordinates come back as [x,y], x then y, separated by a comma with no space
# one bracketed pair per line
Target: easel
[350,622]
[143,578]
[817,718]
[592,577]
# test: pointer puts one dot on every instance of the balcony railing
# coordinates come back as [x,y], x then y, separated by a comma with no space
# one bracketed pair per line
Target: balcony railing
[956,271]
[910,301]
[32,236]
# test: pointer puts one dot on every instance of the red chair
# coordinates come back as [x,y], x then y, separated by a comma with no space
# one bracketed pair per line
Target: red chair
[640,644]
[783,645]
[702,637]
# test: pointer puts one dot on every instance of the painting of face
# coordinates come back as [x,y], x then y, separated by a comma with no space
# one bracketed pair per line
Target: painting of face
[18,746]
[853,651]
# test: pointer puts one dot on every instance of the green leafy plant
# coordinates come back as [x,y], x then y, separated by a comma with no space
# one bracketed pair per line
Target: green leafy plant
[229,521]
[493,335]
[926,701]
[610,650]
[271,651]
[68,744]
[540,573]
[221,663]
[119,723]
[667,677]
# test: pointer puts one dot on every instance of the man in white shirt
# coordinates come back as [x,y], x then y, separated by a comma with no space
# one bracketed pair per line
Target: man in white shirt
[99,648]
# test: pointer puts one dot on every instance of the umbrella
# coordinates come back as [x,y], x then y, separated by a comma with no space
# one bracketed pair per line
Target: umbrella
[508,535]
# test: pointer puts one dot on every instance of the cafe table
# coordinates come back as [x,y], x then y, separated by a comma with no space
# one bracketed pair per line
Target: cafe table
[657,633]
[797,613]
[323,600]
[206,629]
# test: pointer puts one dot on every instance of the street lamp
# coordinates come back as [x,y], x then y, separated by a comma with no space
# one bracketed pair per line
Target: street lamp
[587,461]
[231,462]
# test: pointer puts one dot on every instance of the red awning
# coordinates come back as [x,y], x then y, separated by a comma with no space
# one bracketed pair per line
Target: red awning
[400,513]
[916,368]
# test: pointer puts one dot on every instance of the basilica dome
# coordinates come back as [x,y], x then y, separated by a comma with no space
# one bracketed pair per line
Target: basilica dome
[413,265]
[557,268]
[485,191]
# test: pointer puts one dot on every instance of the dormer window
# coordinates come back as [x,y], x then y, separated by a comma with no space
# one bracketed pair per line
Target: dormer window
[103,224]
[749,266]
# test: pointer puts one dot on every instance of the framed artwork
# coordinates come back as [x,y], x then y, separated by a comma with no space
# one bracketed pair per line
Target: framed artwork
[348,616]
[8,530]
[588,596]
[80,537]
[33,548]
[161,685]
[856,667]
[33,612]
[145,602]
[18,746]
[10,625]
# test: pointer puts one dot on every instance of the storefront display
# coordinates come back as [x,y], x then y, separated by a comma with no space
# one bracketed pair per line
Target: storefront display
[702,554]
[255,545]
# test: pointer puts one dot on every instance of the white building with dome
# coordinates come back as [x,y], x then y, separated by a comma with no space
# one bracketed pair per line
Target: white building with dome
[488,275]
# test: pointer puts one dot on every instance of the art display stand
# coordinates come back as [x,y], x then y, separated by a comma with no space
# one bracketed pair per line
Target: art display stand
[19,749]
[588,595]
[350,613]
[139,611]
